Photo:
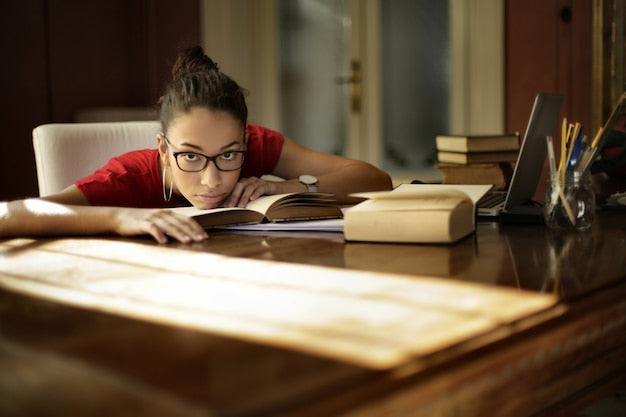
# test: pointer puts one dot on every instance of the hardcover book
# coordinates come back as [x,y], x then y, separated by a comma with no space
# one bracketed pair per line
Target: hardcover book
[484,143]
[497,174]
[477,157]
[411,215]
[269,208]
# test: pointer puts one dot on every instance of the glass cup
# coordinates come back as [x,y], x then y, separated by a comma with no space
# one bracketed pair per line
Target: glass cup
[570,202]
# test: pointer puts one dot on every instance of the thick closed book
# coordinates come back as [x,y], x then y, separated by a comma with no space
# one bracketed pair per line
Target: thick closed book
[477,157]
[411,215]
[269,208]
[485,143]
[497,174]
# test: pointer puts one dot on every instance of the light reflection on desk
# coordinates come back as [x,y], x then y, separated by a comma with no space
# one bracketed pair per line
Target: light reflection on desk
[524,256]
[575,262]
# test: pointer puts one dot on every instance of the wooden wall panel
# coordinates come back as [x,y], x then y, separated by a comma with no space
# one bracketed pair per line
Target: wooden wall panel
[64,55]
[173,26]
[24,100]
[547,51]
[88,59]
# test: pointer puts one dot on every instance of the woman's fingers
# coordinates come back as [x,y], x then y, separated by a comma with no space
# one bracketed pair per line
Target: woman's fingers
[160,224]
[182,228]
[249,189]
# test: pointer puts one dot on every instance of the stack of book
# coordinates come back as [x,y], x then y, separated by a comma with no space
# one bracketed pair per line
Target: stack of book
[484,159]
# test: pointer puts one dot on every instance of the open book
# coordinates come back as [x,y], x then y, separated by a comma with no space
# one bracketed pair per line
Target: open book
[413,213]
[269,208]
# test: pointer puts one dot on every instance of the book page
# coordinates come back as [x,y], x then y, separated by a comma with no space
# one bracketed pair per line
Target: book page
[259,205]
[191,211]
[326,225]
[475,192]
[299,206]
[279,207]
[430,203]
[263,203]
[412,194]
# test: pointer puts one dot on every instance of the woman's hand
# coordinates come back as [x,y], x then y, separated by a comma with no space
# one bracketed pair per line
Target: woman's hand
[159,224]
[249,189]
[39,217]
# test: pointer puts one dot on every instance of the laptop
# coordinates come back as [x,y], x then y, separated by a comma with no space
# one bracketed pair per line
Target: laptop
[530,161]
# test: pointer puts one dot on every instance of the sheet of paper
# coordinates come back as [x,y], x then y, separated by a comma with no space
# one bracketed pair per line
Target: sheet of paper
[325,225]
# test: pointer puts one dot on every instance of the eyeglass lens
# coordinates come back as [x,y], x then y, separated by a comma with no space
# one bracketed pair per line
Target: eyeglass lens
[227,161]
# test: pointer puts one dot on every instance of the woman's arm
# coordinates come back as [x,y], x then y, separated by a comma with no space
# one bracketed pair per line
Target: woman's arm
[338,175]
[68,213]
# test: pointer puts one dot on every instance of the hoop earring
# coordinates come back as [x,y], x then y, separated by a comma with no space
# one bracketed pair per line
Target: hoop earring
[167,196]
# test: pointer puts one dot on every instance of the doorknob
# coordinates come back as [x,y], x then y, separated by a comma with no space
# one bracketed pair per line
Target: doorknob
[354,79]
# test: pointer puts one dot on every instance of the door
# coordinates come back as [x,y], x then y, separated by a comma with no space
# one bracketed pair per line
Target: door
[334,57]
[329,75]
[369,79]
[314,72]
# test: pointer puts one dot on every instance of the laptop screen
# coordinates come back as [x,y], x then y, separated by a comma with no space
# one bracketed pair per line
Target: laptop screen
[531,158]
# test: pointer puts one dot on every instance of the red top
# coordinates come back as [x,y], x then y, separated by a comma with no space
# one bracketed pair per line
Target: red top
[133,179]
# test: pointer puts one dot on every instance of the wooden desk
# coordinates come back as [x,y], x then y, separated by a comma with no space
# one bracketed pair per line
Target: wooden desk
[58,359]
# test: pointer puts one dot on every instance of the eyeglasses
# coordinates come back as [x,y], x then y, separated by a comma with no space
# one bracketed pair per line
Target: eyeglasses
[195,162]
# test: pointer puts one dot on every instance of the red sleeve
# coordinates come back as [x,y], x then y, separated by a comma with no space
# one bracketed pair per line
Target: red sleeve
[264,148]
[129,180]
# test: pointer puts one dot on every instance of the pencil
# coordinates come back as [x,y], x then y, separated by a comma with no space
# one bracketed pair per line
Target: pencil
[563,144]
[591,152]
[568,208]
[596,140]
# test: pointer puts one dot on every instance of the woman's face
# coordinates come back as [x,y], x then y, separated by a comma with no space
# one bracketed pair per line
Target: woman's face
[203,132]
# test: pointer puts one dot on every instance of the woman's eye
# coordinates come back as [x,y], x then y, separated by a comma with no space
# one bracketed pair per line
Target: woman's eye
[191,157]
[227,156]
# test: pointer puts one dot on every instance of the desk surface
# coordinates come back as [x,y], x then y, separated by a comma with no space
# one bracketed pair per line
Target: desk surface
[59,359]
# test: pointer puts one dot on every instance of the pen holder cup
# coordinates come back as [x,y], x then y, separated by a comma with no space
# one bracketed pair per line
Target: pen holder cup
[569,202]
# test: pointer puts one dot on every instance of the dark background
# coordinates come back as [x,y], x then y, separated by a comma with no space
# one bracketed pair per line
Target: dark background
[60,56]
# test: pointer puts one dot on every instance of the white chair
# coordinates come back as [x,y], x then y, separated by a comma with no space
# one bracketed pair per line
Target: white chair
[65,152]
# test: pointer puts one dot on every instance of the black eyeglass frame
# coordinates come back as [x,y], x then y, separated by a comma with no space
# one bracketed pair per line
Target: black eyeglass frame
[207,158]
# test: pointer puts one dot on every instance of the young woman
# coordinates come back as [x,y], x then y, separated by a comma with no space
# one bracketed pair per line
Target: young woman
[207,156]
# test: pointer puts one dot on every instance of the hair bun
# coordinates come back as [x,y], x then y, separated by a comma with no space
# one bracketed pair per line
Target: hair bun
[193,60]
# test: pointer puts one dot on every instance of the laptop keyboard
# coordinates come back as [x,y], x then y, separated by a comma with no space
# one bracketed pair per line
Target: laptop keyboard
[492,199]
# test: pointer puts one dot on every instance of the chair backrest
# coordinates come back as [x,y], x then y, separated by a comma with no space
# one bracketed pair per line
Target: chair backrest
[65,152]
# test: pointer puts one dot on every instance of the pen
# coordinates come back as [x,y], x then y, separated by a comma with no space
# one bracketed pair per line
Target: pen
[575,154]
[591,152]
[571,144]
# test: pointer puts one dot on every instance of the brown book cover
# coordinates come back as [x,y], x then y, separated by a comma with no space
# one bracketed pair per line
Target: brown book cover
[497,174]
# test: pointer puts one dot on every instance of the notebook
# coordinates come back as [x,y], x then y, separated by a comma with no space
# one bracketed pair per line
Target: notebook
[530,160]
